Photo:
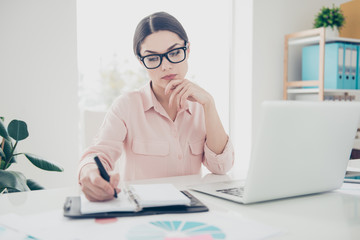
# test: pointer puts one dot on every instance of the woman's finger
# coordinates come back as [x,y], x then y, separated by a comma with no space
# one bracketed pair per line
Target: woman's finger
[185,96]
[172,85]
[185,89]
[114,181]
[174,93]
[96,194]
[94,186]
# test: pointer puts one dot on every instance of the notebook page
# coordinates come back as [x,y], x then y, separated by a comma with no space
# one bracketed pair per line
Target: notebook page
[120,204]
[155,195]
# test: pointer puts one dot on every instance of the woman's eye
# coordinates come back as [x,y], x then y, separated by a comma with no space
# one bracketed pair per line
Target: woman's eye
[174,53]
[153,59]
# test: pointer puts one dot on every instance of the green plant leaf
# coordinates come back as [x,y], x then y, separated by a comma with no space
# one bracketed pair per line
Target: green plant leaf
[7,148]
[17,129]
[3,132]
[2,154]
[12,160]
[13,181]
[34,185]
[7,151]
[2,164]
[43,164]
[330,17]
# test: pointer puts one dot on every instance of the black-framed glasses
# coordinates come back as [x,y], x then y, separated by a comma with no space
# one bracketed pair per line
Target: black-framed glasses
[176,55]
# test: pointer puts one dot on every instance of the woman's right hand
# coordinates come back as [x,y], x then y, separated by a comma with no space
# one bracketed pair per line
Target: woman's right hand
[95,187]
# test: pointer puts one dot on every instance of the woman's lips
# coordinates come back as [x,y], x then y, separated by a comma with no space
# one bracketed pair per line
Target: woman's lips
[169,77]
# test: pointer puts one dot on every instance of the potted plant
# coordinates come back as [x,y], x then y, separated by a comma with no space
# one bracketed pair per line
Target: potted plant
[330,18]
[14,181]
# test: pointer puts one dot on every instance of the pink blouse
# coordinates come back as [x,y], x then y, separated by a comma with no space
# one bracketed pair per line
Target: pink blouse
[153,145]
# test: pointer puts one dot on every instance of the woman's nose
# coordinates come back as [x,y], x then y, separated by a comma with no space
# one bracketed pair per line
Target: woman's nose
[165,65]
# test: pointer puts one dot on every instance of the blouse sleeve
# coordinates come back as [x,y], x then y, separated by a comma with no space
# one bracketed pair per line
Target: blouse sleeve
[219,163]
[108,144]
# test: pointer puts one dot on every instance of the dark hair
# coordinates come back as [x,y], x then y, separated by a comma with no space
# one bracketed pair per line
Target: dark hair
[156,22]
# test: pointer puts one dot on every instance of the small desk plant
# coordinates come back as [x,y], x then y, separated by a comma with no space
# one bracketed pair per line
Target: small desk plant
[14,181]
[330,18]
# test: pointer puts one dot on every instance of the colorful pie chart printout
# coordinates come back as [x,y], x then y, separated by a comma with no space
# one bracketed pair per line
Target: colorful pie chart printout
[175,230]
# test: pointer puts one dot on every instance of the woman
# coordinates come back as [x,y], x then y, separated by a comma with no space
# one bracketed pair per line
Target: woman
[167,128]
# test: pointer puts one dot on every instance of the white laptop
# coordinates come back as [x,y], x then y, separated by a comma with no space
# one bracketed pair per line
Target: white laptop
[300,148]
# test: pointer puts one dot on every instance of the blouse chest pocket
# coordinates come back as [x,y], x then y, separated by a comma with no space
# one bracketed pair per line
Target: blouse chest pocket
[148,147]
[197,147]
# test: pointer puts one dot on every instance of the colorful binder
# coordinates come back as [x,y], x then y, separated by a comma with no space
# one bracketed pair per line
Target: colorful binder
[350,63]
[334,64]
[342,65]
[358,68]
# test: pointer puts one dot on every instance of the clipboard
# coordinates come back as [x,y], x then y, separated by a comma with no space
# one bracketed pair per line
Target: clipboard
[72,209]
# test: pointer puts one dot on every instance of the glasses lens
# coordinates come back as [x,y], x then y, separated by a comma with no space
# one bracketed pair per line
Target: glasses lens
[152,61]
[176,55]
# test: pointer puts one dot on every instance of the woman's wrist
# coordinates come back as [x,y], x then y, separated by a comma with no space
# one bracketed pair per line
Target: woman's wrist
[209,104]
[84,171]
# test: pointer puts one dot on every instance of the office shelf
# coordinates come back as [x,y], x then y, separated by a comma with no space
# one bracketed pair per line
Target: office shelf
[315,40]
[326,91]
[307,37]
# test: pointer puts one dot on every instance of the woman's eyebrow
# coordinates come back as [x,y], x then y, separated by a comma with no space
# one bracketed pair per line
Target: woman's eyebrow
[171,47]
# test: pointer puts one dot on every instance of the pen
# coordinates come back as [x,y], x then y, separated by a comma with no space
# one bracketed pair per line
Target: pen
[103,172]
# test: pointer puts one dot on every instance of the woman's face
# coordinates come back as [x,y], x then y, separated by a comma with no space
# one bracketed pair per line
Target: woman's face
[158,43]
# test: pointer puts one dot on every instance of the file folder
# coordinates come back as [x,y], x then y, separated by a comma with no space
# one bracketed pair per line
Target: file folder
[347,66]
[334,64]
[354,67]
[350,74]
[358,68]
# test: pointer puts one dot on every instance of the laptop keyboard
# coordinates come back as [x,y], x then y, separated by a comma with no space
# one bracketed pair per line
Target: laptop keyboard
[235,191]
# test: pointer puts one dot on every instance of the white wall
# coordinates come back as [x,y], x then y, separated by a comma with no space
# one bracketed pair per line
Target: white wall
[272,21]
[38,82]
[241,85]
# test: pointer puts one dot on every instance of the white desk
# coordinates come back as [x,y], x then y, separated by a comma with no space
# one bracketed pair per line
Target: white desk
[332,215]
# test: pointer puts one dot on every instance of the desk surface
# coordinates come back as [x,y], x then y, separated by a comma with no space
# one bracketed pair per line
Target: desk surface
[332,215]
